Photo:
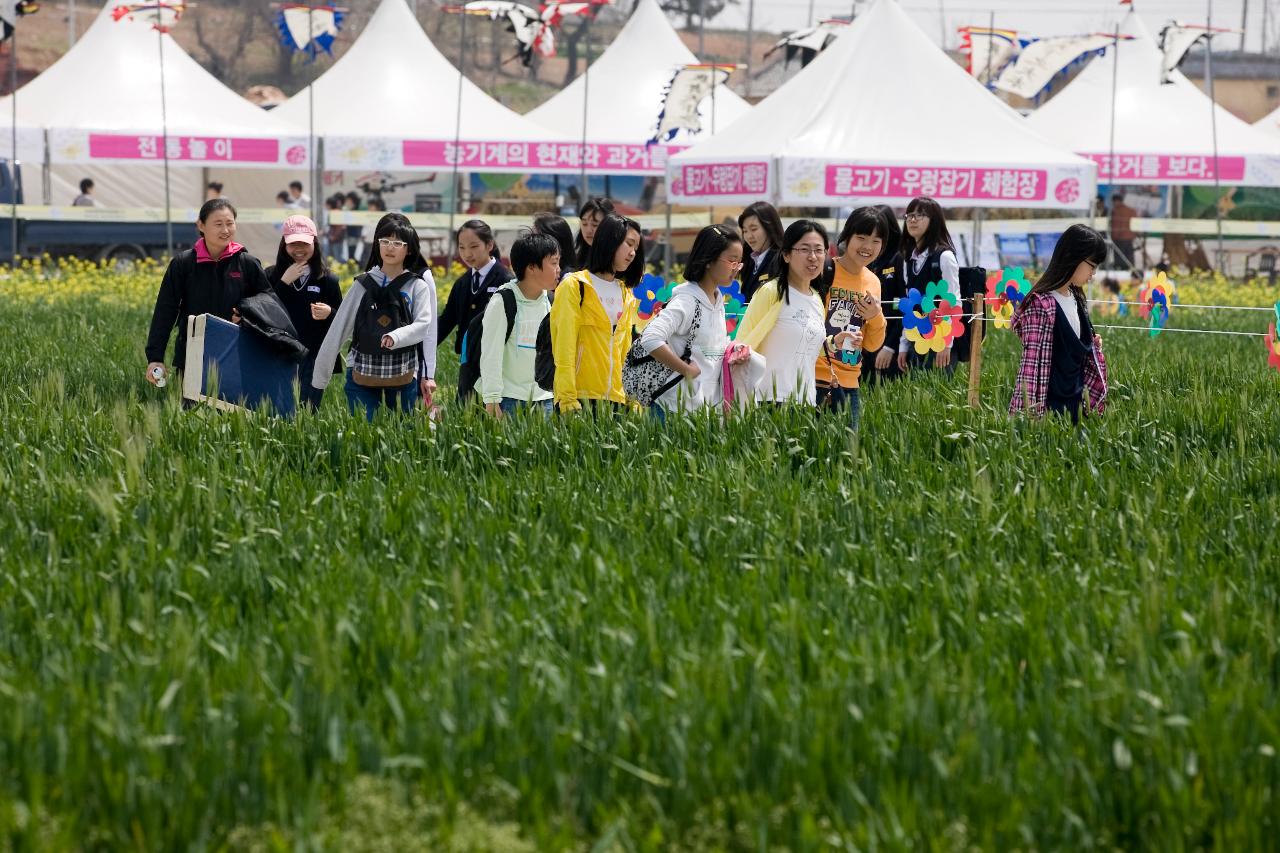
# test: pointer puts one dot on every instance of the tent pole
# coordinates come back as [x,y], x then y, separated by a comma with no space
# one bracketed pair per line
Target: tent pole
[669,254]
[1213,106]
[702,30]
[46,177]
[457,139]
[164,141]
[751,16]
[311,122]
[13,161]
[711,211]
[1111,148]
[586,88]
[991,30]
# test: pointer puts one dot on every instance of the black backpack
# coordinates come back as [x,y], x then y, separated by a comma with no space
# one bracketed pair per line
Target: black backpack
[544,364]
[469,366]
[383,309]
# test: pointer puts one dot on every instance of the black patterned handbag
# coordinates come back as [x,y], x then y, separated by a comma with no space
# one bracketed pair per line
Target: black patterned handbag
[644,378]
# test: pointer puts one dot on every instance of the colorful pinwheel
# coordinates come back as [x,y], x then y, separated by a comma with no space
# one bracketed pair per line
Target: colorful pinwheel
[1155,297]
[932,320]
[652,292]
[1005,291]
[1273,345]
[732,293]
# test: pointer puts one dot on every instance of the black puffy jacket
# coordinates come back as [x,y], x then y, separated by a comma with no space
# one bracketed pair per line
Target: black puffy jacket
[264,315]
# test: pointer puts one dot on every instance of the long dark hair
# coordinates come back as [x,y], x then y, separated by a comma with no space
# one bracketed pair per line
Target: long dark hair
[554,225]
[582,251]
[936,237]
[611,234]
[316,264]
[1078,243]
[396,226]
[708,246]
[892,237]
[795,232]
[769,220]
[482,230]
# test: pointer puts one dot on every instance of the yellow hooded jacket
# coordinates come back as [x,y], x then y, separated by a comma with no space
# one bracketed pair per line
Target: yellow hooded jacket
[589,352]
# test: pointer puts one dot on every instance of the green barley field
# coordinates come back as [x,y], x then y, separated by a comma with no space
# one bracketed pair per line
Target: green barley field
[955,631]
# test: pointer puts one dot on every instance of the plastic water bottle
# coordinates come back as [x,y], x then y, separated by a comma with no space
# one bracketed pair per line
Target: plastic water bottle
[848,352]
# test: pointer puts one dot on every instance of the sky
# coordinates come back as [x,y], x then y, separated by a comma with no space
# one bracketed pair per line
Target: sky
[1037,17]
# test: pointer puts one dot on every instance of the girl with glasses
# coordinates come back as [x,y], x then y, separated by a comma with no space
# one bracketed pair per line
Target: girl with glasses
[693,322]
[389,316]
[786,320]
[928,255]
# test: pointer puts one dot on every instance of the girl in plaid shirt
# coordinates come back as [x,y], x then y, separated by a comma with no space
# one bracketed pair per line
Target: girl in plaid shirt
[1061,356]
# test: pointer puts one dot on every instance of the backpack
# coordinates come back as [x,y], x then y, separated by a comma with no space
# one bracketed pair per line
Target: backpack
[383,309]
[544,364]
[469,366]
[973,280]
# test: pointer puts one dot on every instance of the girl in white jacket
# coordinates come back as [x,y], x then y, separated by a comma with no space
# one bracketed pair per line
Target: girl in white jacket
[693,321]
[389,376]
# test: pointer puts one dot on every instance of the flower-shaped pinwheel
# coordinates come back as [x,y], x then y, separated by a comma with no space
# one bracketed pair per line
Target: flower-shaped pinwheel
[932,320]
[1273,345]
[652,291]
[1005,291]
[732,293]
[1156,298]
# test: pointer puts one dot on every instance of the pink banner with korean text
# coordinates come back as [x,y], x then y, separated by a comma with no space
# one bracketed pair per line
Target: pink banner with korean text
[1186,169]
[729,182]
[829,182]
[539,156]
[497,156]
[88,146]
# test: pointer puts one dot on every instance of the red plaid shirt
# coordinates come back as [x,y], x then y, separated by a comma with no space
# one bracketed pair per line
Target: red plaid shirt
[1033,322]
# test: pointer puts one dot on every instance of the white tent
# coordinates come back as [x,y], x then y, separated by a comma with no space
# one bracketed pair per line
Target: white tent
[1163,133]
[100,103]
[391,102]
[624,87]
[837,134]
[1270,123]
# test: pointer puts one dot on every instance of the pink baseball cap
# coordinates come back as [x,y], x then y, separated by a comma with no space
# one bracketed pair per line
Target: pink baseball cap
[299,229]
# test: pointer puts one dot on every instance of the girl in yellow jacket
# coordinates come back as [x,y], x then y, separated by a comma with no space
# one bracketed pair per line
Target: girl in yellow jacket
[592,317]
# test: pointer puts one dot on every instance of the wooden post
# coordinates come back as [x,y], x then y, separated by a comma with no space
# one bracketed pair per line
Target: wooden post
[975,348]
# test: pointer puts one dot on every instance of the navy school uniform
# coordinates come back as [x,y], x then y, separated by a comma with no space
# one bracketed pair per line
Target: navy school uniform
[892,288]
[469,298]
[752,273]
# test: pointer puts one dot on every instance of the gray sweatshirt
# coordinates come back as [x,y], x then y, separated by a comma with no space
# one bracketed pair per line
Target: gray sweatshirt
[421,292]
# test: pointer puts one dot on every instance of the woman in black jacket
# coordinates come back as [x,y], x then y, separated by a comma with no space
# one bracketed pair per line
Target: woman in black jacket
[310,293]
[210,278]
[762,231]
